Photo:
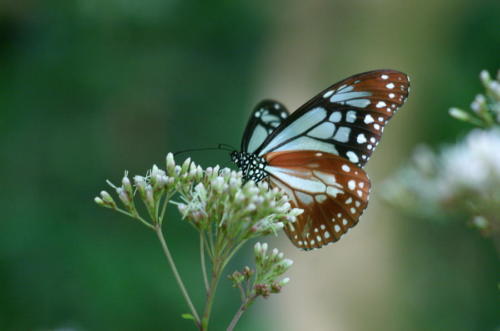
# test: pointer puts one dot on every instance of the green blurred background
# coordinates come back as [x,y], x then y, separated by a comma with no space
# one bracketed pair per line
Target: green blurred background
[89,88]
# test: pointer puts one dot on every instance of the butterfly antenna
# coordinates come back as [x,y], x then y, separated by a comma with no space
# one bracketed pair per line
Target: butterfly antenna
[219,147]
[226,147]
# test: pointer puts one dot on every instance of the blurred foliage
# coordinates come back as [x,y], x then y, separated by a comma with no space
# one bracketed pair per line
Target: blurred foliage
[88,87]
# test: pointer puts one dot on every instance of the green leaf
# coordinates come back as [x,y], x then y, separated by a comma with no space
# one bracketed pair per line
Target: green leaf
[187,316]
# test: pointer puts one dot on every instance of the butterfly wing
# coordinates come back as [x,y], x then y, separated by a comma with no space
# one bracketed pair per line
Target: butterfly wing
[265,118]
[332,191]
[346,119]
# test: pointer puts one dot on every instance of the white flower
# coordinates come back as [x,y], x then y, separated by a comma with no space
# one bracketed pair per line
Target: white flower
[473,163]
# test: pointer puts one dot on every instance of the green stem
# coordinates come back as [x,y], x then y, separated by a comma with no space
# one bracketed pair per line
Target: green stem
[164,207]
[202,258]
[178,278]
[216,272]
[240,312]
[137,217]
[232,252]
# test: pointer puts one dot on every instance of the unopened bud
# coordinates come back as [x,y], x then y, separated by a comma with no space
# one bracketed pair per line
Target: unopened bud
[107,199]
[100,202]
[185,165]
[459,114]
[170,164]
[284,281]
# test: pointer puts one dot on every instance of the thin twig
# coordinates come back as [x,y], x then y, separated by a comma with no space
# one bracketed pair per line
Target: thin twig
[177,276]
[216,272]
[202,258]
[137,217]
[240,312]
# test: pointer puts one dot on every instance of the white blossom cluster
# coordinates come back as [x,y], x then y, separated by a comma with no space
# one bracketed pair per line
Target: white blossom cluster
[211,199]
[240,211]
[485,107]
[462,179]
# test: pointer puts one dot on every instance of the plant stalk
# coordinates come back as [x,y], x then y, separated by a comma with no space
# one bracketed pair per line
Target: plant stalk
[178,278]
[202,258]
[216,272]
[240,312]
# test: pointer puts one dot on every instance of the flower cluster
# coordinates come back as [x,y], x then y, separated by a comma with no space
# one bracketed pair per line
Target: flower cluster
[225,210]
[211,197]
[485,107]
[462,179]
[264,279]
[242,210]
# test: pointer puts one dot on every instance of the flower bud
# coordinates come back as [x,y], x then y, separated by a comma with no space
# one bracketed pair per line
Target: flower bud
[126,183]
[258,248]
[284,281]
[170,164]
[275,288]
[485,77]
[99,201]
[150,201]
[264,248]
[460,114]
[182,209]
[107,199]
[185,165]
[122,194]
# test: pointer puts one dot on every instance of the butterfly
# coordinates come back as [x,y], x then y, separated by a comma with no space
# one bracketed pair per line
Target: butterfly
[316,154]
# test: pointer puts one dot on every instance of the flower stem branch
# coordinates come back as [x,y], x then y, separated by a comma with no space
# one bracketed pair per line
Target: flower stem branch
[178,278]
[226,211]
[202,260]
[216,273]
[240,312]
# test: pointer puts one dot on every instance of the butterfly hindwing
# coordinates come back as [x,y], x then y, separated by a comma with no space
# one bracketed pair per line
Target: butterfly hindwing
[332,191]
[265,118]
[346,119]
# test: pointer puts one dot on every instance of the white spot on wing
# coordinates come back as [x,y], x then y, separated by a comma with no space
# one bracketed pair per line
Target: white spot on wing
[328,94]
[352,157]
[351,184]
[361,139]
[369,119]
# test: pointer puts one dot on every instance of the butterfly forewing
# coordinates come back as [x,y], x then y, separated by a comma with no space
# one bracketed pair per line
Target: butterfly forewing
[265,118]
[332,191]
[346,119]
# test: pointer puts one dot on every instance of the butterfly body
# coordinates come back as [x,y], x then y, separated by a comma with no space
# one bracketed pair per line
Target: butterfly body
[252,166]
[316,154]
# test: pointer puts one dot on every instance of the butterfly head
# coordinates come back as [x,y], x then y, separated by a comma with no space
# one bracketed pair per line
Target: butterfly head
[251,165]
